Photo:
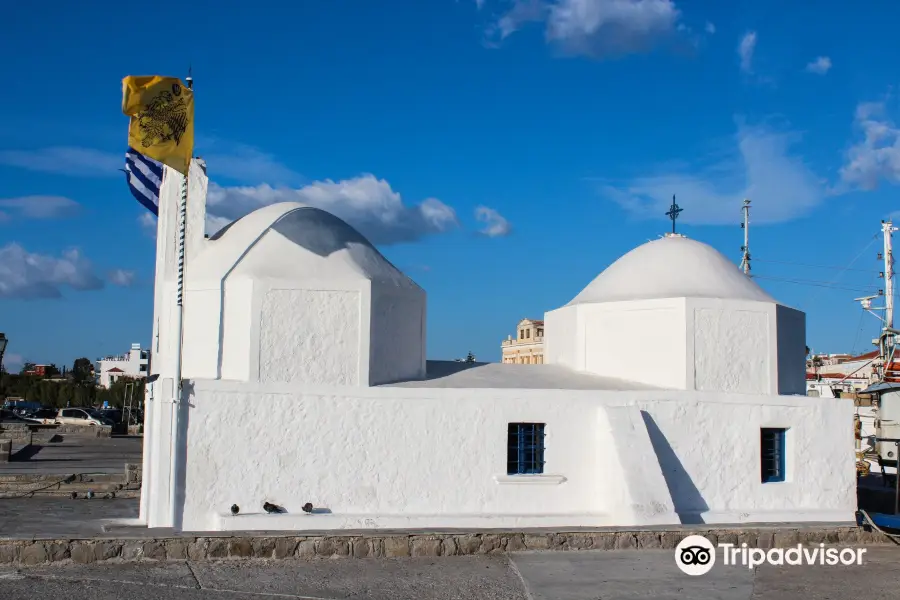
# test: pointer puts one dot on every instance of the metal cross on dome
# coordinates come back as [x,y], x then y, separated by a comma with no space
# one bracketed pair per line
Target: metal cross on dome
[673,213]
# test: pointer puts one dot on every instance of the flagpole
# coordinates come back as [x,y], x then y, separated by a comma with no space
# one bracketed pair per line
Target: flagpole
[174,469]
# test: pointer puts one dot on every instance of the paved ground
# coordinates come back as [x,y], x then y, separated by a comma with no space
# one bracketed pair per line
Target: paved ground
[76,454]
[26,518]
[606,575]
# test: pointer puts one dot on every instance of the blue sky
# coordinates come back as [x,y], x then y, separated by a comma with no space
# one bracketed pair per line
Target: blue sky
[565,125]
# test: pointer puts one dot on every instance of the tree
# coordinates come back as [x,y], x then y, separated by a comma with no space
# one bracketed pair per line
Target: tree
[82,371]
[29,366]
[51,371]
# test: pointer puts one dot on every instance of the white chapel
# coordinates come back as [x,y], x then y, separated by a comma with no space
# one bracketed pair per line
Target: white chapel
[672,392]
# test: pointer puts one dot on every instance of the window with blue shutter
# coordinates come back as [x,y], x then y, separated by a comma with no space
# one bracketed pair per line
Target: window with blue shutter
[772,454]
[525,449]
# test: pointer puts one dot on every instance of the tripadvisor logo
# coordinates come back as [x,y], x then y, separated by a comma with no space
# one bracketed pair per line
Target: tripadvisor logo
[696,555]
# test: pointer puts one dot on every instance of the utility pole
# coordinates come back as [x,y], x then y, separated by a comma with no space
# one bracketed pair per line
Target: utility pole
[745,225]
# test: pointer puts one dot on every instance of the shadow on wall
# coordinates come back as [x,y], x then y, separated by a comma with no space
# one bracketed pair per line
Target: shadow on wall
[181,436]
[689,503]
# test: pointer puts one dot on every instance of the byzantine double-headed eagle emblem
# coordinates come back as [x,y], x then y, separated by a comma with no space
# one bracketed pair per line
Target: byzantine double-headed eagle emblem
[164,118]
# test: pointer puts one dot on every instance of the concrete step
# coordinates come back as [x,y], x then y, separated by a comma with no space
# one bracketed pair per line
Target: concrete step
[30,478]
[124,493]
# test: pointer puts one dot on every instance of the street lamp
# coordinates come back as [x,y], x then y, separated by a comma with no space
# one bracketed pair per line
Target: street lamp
[3,342]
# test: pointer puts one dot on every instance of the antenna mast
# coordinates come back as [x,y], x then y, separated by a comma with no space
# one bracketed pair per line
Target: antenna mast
[887,227]
[745,225]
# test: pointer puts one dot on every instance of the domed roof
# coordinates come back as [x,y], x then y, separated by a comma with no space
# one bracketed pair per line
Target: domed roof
[672,267]
[295,241]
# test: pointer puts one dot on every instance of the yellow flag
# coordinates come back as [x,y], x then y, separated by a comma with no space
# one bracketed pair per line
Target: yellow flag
[162,119]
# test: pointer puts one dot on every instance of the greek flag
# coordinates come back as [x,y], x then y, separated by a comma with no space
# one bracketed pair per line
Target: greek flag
[144,177]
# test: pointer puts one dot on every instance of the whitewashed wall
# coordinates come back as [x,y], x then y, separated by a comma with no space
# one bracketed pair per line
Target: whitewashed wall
[703,344]
[406,457]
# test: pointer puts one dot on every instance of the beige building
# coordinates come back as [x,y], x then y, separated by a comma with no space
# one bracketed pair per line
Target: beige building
[527,348]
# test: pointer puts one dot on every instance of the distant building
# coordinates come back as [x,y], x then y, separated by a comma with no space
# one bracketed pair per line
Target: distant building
[135,365]
[528,346]
[37,370]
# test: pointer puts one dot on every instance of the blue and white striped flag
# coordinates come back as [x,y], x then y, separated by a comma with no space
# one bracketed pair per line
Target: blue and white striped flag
[144,176]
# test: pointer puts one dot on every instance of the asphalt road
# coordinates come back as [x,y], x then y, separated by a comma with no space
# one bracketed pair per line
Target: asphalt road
[606,575]
[76,454]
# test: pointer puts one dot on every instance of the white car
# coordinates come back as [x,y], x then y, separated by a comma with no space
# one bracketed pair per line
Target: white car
[80,416]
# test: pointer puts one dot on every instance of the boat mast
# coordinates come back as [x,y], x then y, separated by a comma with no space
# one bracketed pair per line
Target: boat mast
[745,225]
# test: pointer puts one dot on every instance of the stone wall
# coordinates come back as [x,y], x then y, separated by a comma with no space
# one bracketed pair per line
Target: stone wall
[32,552]
[5,450]
[20,433]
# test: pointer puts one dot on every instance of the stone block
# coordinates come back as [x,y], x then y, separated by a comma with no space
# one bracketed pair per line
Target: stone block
[306,549]
[377,545]
[602,541]
[240,548]
[625,540]
[33,554]
[670,539]
[649,539]
[132,550]
[728,537]
[579,541]
[765,540]
[786,539]
[490,544]
[361,548]
[263,547]
[328,547]
[713,538]
[556,541]
[217,548]
[515,542]
[176,549]
[197,549]
[468,544]
[83,553]
[425,547]
[396,546]
[285,547]
[9,552]
[536,541]
[449,547]
[58,551]
[154,550]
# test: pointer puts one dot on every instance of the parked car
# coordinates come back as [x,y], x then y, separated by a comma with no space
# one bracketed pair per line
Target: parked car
[44,416]
[82,416]
[8,416]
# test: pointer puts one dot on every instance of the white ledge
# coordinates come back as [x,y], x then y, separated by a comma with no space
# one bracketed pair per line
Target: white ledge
[530,479]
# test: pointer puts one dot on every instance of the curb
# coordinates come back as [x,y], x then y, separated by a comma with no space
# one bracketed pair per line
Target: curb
[84,551]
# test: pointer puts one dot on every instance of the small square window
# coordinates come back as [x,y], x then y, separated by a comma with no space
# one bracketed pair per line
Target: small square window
[525,449]
[772,454]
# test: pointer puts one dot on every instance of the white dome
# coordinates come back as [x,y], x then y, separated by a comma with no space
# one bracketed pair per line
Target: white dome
[294,241]
[672,267]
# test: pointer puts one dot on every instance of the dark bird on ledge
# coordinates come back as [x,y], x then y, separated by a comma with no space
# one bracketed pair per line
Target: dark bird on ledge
[308,507]
[272,508]
[74,495]
[235,509]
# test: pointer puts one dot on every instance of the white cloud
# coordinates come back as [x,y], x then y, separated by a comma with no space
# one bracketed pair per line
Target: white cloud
[710,28]
[780,186]
[877,155]
[820,66]
[38,207]
[121,277]
[745,51]
[365,202]
[27,275]
[596,28]
[493,223]
[147,222]
[63,160]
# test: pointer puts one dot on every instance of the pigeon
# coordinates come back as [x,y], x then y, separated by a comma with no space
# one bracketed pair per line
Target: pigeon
[74,495]
[235,509]
[308,507]
[90,494]
[272,508]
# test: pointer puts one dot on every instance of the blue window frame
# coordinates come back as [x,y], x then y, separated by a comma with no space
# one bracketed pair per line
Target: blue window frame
[772,454]
[525,449]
